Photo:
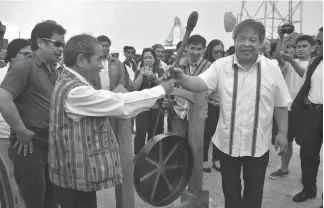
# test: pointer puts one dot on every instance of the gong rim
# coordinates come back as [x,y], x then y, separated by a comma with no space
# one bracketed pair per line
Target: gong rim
[161,175]
[6,192]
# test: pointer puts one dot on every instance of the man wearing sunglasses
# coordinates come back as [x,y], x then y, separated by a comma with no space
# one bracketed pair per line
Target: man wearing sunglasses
[307,110]
[25,100]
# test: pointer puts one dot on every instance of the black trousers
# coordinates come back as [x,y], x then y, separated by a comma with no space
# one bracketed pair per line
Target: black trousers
[31,174]
[254,169]
[145,124]
[68,198]
[210,128]
[310,138]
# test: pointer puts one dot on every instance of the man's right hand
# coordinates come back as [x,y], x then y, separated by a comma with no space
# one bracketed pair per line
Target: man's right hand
[173,73]
[280,33]
[168,86]
[25,141]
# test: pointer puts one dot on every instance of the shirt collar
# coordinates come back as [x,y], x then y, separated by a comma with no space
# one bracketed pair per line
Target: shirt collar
[195,64]
[77,75]
[238,64]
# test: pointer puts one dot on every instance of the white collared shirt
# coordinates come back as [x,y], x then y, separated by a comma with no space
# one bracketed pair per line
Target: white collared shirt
[237,140]
[85,101]
[293,80]
[104,76]
[315,94]
[4,127]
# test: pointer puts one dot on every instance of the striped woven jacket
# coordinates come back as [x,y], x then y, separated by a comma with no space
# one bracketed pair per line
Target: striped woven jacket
[83,154]
[182,107]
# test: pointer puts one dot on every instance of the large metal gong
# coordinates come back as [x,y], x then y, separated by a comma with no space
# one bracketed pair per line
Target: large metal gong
[163,169]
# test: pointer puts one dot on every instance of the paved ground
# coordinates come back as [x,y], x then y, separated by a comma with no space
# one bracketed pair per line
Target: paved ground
[277,193]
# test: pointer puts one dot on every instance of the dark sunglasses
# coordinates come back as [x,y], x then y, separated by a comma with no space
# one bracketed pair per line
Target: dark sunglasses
[218,52]
[56,43]
[319,42]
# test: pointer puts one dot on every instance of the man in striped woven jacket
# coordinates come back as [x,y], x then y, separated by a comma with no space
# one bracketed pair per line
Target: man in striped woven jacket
[83,150]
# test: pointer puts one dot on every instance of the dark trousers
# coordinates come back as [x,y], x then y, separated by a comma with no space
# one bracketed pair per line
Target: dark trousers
[68,198]
[254,169]
[310,138]
[31,173]
[145,124]
[210,128]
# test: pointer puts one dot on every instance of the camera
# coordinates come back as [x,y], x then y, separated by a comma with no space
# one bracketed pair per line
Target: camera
[287,28]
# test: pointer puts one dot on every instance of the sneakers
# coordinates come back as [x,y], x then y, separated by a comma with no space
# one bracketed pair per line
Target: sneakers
[278,174]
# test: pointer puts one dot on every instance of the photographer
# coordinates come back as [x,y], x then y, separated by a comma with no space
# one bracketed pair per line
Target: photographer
[293,71]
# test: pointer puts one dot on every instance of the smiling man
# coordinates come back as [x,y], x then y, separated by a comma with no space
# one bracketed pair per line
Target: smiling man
[250,89]
[293,71]
[25,99]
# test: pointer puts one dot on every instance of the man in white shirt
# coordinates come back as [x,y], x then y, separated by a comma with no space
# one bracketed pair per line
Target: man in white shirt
[307,112]
[293,71]
[83,150]
[251,89]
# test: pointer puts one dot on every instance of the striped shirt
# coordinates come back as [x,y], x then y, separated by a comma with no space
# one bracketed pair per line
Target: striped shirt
[247,100]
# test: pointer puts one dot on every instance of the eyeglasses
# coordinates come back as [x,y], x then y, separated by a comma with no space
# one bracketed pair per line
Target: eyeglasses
[130,52]
[56,43]
[319,42]
[218,52]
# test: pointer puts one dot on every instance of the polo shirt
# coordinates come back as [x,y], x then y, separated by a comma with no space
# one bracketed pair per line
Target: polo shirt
[31,82]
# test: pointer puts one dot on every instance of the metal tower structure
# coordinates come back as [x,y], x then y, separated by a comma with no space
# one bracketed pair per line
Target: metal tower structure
[274,14]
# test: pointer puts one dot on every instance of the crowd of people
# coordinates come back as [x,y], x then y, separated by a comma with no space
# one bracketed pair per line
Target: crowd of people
[57,98]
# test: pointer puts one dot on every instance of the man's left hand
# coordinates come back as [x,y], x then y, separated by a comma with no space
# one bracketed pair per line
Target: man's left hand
[281,141]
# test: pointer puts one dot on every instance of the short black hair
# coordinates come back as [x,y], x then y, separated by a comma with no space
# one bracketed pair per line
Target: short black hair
[308,38]
[321,29]
[77,45]
[14,47]
[127,48]
[155,46]
[45,29]
[103,38]
[196,39]
[230,50]
[250,23]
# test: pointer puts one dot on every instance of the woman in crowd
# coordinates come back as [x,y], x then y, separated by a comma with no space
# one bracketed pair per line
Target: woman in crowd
[148,123]
[214,51]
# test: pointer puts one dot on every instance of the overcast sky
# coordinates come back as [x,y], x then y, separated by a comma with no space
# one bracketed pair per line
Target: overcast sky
[143,23]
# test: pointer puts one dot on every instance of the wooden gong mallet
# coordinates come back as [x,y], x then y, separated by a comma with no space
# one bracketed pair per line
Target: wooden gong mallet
[191,24]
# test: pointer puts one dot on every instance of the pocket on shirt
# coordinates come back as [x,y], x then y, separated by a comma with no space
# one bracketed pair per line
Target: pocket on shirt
[104,164]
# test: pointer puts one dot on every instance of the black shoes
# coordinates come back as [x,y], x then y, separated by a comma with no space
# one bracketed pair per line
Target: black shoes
[303,196]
